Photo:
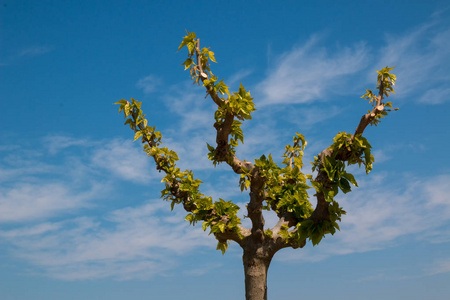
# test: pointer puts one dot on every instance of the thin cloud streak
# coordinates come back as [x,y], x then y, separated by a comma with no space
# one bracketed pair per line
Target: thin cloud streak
[56,143]
[307,117]
[422,64]
[149,84]
[238,76]
[35,51]
[124,160]
[308,72]
[27,202]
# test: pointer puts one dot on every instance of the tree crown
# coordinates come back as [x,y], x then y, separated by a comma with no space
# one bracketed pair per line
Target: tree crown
[281,188]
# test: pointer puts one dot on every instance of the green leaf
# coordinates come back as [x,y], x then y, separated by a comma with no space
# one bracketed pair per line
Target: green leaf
[344,185]
[350,178]
[221,226]
[189,217]
[316,238]
[205,225]
[122,101]
[187,63]
[190,46]
[211,56]
[222,247]
[137,135]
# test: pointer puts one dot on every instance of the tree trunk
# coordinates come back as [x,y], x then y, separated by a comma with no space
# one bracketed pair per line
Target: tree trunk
[256,265]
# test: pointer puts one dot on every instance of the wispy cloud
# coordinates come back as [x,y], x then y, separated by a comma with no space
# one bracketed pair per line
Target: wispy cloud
[129,243]
[56,143]
[203,269]
[307,117]
[376,218]
[311,72]
[123,159]
[421,60]
[260,138]
[35,51]
[193,127]
[195,111]
[50,181]
[24,53]
[27,202]
[308,72]
[440,266]
[435,96]
[149,84]
[49,221]
[238,76]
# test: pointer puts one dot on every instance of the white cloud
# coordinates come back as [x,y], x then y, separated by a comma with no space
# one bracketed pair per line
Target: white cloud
[381,156]
[36,185]
[307,117]
[149,84]
[194,110]
[438,192]
[440,266]
[134,242]
[124,160]
[140,241]
[56,143]
[35,51]
[422,64]
[435,96]
[191,149]
[203,269]
[261,137]
[27,231]
[27,202]
[24,169]
[237,77]
[378,215]
[308,73]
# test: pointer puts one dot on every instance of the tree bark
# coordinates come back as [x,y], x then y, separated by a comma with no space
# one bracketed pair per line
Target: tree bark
[256,265]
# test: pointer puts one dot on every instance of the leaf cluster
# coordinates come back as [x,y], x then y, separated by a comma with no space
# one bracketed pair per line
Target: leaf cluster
[283,186]
[238,105]
[199,68]
[316,231]
[345,150]
[180,186]
[385,86]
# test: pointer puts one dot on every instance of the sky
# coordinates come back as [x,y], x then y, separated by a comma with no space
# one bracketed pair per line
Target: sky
[80,210]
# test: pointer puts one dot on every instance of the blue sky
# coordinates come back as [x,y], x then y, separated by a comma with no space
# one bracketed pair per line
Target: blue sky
[80,213]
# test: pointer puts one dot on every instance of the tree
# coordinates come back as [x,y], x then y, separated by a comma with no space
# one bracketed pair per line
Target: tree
[281,188]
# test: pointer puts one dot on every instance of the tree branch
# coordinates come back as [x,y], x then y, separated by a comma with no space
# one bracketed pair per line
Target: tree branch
[286,219]
[368,118]
[255,205]
[321,212]
[188,204]
[224,153]
[223,130]
[234,236]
